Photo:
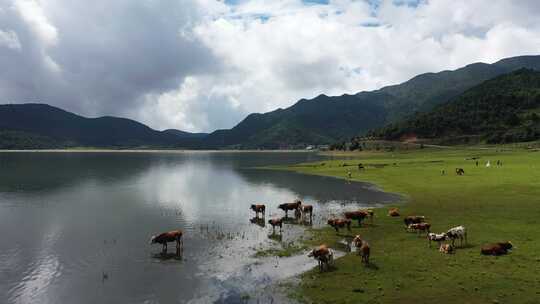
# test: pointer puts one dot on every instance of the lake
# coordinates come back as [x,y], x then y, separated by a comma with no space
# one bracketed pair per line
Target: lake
[76,226]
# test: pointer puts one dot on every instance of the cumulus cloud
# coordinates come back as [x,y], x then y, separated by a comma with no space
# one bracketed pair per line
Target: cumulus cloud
[200,65]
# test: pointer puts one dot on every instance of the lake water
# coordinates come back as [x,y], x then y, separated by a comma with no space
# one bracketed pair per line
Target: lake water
[76,226]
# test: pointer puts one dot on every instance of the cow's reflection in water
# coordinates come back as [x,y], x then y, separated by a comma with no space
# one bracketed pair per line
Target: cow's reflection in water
[166,256]
[258,221]
[278,237]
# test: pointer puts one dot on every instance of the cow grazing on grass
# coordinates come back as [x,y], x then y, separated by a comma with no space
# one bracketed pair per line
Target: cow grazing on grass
[460,171]
[359,215]
[496,248]
[340,223]
[420,227]
[458,232]
[323,255]
[446,248]
[413,219]
[276,222]
[166,237]
[393,212]
[364,252]
[258,209]
[370,214]
[434,237]
[305,209]
[290,206]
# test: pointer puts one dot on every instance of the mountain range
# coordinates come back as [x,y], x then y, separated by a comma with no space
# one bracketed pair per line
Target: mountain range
[500,110]
[321,120]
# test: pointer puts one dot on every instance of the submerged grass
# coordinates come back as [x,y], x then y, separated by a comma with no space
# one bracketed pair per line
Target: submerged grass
[495,204]
[286,250]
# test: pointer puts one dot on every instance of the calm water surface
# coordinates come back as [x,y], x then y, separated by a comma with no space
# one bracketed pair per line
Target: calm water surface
[76,226]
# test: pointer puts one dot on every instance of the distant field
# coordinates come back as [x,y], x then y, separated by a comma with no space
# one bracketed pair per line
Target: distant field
[495,204]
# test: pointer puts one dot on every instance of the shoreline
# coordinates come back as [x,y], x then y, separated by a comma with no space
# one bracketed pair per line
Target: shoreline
[152,151]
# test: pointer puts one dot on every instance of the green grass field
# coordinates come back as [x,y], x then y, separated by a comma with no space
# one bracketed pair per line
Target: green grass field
[495,204]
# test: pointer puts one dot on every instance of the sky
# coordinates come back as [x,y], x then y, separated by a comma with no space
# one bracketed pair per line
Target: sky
[202,65]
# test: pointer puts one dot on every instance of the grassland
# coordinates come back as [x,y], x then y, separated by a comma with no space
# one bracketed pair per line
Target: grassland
[496,203]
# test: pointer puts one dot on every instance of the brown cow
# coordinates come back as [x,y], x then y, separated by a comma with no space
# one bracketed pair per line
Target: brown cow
[276,222]
[413,219]
[171,236]
[290,206]
[371,214]
[393,212]
[340,223]
[496,248]
[420,227]
[258,208]
[365,251]
[359,215]
[323,255]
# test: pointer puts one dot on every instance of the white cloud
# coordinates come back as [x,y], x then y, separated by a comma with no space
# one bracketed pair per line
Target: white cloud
[202,64]
[10,40]
[32,12]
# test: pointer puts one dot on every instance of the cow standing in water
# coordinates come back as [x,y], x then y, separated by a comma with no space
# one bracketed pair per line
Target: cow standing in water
[305,209]
[166,237]
[290,206]
[276,222]
[258,209]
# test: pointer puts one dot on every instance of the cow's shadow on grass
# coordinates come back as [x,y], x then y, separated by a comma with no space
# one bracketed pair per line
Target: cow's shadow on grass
[371,266]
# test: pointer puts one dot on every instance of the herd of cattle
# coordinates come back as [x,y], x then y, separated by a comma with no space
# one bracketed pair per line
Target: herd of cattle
[325,255]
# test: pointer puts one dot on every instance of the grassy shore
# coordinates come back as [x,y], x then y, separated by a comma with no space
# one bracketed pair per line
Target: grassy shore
[495,204]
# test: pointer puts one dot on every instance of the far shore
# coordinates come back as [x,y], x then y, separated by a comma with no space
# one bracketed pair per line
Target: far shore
[150,151]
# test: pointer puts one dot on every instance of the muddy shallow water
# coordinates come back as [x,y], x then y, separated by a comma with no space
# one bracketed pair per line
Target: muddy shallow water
[76,226]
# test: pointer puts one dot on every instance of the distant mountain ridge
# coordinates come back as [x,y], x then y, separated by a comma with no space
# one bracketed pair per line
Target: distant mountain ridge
[184,134]
[325,119]
[321,120]
[500,110]
[44,126]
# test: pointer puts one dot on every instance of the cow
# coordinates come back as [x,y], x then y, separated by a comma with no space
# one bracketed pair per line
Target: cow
[323,255]
[364,251]
[458,232]
[359,215]
[446,248]
[340,223]
[276,222]
[460,171]
[413,219]
[419,227]
[393,212]
[496,248]
[305,209]
[258,208]
[357,242]
[166,237]
[439,238]
[371,214]
[290,206]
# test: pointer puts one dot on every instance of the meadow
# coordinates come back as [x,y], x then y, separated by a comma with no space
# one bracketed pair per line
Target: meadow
[496,203]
